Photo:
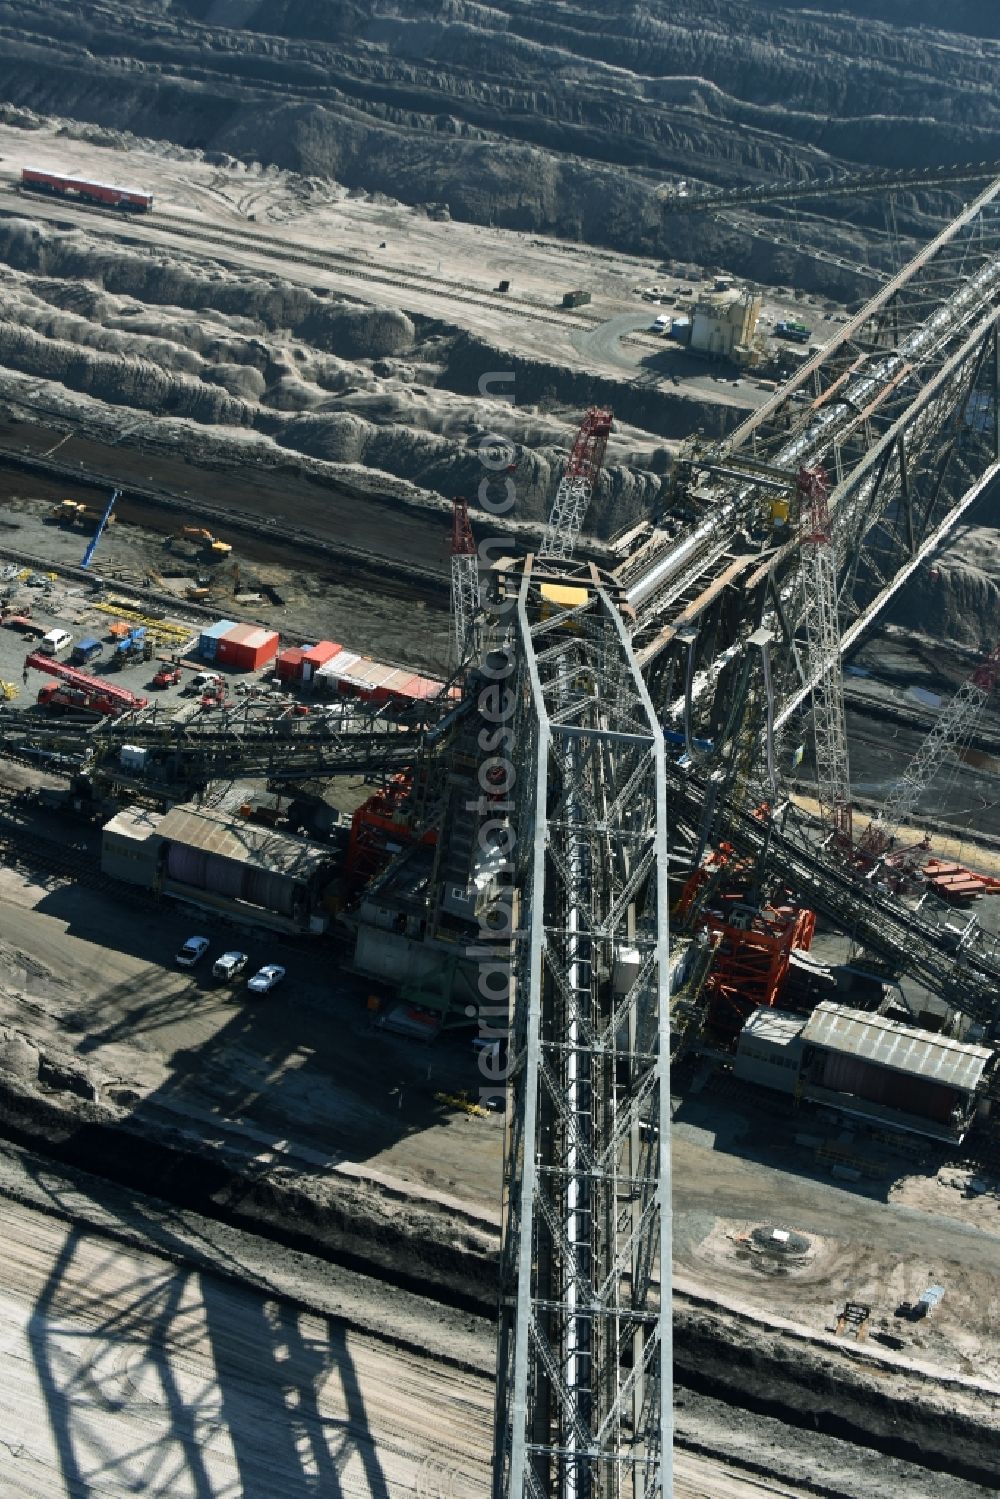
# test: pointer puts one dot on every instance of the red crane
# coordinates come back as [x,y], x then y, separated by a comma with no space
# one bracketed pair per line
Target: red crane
[102,697]
[466,602]
[577,484]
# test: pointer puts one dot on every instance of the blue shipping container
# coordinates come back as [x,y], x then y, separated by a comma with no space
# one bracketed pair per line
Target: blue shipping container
[208,642]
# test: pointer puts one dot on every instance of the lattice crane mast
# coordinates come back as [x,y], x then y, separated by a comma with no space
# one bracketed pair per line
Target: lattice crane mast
[466,604]
[822,631]
[577,485]
[953,728]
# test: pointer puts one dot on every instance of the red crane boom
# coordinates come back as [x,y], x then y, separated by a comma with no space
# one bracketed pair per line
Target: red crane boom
[120,699]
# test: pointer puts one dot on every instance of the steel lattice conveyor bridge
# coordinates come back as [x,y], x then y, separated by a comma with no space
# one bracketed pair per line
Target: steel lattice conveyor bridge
[901,409]
[254,740]
[584,1384]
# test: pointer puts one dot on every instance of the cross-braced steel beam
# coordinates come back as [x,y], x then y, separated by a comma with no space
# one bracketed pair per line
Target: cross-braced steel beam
[584,1386]
[900,408]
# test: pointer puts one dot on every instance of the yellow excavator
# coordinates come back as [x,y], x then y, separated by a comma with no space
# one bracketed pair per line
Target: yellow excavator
[214,550]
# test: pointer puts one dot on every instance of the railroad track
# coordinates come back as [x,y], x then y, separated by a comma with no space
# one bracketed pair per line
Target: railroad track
[341,264]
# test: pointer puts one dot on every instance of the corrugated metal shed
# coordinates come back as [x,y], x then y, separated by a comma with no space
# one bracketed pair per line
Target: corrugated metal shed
[901,1048]
[242,842]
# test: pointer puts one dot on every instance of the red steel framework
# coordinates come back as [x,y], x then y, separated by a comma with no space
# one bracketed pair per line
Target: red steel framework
[379,828]
[753,944]
[752,958]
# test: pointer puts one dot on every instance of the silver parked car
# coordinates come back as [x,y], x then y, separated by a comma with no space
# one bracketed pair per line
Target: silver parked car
[266,978]
[193,950]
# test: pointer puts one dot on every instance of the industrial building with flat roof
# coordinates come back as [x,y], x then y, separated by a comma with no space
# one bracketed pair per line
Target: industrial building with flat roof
[226,863]
[869,1066]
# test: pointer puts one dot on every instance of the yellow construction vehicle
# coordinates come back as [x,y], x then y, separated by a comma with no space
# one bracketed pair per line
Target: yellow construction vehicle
[69,513]
[215,550]
[75,513]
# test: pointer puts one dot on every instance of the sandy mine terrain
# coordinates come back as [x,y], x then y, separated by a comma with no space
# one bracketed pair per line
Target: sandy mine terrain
[361,337]
[314,361]
[91,1007]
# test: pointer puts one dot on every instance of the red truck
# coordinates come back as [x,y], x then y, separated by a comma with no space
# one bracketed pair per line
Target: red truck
[24,626]
[59,697]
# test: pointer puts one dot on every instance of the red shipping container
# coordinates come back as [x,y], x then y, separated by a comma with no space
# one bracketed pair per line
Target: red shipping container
[290,664]
[322,652]
[247,648]
[316,656]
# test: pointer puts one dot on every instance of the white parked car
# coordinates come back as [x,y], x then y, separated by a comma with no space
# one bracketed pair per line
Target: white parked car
[229,966]
[266,978]
[193,950]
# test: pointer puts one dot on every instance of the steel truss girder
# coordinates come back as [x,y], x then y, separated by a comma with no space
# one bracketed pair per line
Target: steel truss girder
[248,741]
[465,608]
[585,1351]
[900,502]
[569,509]
[905,364]
[920,940]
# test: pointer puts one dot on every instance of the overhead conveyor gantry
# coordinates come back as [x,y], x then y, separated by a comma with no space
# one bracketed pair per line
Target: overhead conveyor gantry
[584,1381]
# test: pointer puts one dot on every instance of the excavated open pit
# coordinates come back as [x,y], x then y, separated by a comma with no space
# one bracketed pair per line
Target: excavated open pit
[302,406]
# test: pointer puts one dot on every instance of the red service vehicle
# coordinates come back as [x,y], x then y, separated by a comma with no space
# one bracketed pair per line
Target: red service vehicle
[24,626]
[76,689]
[168,676]
[58,697]
[128,199]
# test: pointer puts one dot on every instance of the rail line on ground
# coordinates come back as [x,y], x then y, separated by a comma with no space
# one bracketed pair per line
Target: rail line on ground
[341,264]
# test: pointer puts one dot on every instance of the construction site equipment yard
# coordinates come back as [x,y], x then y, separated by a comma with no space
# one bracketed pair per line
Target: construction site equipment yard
[253,1241]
